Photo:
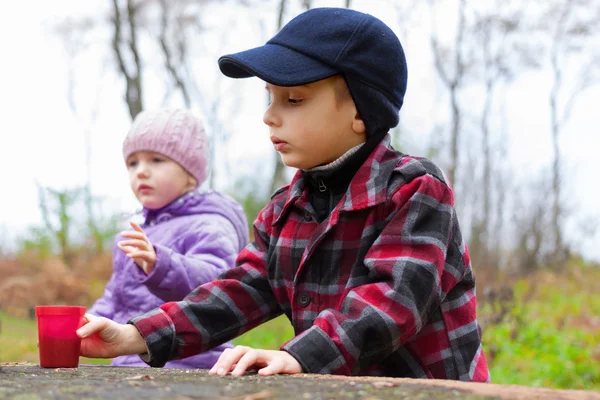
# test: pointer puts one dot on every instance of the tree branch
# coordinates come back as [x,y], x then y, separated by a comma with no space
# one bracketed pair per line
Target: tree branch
[168,57]
[281,14]
[117,38]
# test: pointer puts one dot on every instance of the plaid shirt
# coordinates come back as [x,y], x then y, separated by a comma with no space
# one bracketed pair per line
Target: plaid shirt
[383,286]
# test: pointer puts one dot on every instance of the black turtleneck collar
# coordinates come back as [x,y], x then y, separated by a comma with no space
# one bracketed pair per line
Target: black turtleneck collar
[326,186]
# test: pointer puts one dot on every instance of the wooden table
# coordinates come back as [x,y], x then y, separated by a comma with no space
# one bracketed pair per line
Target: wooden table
[29,381]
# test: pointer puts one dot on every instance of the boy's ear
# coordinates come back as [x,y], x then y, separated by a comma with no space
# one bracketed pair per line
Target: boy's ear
[358,125]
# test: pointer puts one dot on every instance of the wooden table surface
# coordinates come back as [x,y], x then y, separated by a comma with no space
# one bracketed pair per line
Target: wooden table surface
[29,381]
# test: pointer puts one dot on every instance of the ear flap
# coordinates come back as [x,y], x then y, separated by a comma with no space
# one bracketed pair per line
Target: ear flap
[377,111]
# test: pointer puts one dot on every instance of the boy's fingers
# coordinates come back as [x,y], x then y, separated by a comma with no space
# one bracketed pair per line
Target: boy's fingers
[273,362]
[94,324]
[229,358]
[217,364]
[247,360]
[271,369]
[90,317]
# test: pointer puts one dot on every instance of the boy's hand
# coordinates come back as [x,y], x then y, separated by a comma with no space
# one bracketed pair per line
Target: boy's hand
[104,338]
[138,248]
[270,362]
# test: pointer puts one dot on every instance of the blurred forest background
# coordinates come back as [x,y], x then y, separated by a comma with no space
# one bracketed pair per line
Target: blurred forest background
[538,294]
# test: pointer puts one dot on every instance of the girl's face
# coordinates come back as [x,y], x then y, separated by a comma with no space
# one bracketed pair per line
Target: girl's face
[156,180]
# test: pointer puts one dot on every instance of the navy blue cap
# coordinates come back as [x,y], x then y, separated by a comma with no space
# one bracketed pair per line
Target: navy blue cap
[323,42]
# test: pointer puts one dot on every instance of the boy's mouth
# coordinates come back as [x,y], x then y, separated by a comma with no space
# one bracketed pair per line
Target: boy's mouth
[278,143]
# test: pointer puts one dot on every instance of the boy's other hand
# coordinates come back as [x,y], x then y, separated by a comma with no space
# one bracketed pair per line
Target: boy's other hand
[241,358]
[104,338]
[139,248]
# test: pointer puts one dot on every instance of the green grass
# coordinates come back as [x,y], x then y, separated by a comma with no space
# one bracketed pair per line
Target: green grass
[550,341]
[17,339]
[270,335]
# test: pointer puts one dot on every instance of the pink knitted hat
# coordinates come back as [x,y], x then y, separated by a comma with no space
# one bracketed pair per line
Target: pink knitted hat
[177,134]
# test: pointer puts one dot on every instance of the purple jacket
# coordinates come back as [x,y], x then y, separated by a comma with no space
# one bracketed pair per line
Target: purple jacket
[196,238]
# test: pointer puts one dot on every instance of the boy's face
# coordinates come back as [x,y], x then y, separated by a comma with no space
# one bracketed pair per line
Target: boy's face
[311,125]
[156,180]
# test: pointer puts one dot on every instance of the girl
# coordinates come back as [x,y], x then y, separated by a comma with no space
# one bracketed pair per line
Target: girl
[188,238]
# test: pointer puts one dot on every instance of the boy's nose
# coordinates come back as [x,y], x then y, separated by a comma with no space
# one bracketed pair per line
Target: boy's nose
[270,118]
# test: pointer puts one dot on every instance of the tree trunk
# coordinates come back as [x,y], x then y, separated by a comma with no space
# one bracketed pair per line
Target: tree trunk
[452,81]
[454,134]
[133,80]
[487,173]
[171,68]
[456,113]
[556,162]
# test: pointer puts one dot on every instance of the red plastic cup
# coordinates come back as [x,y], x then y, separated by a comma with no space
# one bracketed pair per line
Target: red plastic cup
[58,343]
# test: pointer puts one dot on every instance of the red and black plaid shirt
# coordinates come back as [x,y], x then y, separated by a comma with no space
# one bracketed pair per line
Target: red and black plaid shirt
[383,286]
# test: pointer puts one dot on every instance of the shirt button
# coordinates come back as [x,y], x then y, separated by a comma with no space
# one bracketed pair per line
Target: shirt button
[307,216]
[304,299]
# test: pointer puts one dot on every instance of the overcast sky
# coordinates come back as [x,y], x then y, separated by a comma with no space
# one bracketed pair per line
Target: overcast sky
[41,140]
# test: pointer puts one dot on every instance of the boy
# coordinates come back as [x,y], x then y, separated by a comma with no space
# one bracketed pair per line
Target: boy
[362,250]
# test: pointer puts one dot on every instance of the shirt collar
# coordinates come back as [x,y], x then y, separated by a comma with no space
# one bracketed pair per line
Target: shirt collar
[367,188]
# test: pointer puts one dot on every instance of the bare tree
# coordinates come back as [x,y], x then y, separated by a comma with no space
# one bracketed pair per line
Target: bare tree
[123,47]
[570,24]
[500,34]
[451,67]
[532,227]
[181,46]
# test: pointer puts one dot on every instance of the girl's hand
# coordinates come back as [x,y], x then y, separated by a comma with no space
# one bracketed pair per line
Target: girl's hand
[138,248]
[104,338]
[270,362]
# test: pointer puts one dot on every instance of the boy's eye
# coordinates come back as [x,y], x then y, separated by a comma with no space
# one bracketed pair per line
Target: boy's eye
[132,164]
[157,160]
[294,101]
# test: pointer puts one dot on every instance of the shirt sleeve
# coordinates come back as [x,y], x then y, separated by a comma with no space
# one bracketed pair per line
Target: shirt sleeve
[214,250]
[215,312]
[410,277]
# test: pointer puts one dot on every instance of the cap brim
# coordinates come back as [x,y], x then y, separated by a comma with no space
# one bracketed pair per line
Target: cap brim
[276,65]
